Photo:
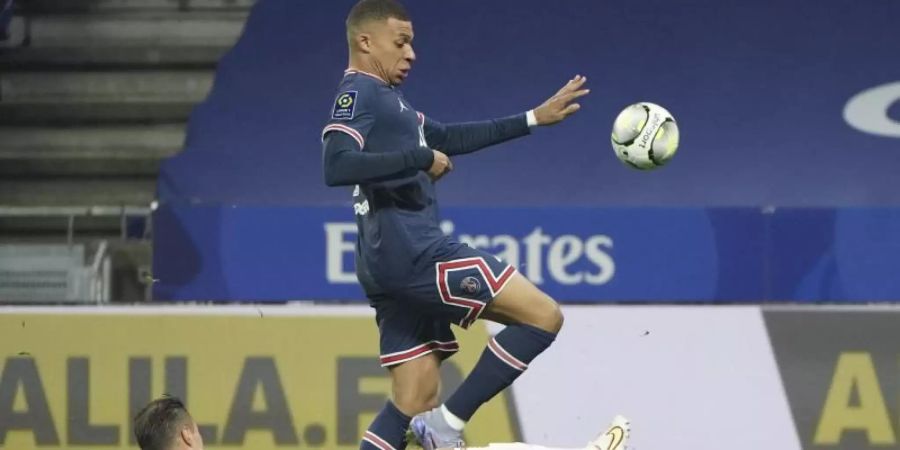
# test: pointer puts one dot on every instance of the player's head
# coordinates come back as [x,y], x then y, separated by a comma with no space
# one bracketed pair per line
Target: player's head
[380,36]
[165,424]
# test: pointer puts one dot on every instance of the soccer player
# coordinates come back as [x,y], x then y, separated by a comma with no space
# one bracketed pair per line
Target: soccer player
[165,424]
[418,280]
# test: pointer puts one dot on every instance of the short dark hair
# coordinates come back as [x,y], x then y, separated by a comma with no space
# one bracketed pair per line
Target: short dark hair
[367,10]
[156,426]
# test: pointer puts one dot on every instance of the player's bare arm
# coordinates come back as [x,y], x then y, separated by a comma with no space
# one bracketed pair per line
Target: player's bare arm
[562,104]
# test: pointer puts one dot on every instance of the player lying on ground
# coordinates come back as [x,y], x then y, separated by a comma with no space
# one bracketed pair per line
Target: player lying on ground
[614,438]
[165,424]
[418,280]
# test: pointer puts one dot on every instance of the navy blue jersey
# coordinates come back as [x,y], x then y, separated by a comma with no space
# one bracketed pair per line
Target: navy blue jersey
[394,198]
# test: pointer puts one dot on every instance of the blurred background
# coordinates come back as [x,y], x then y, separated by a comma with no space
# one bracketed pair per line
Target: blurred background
[164,224]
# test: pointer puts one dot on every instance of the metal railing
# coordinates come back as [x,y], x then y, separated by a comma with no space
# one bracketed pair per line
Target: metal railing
[40,273]
[71,213]
[70,270]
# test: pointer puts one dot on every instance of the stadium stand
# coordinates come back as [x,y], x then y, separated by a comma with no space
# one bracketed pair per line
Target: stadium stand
[93,94]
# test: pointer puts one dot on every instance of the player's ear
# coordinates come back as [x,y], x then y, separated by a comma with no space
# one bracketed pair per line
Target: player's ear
[187,435]
[364,42]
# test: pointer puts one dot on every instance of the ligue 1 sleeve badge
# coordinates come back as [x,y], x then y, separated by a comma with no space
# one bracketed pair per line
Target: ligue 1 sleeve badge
[344,106]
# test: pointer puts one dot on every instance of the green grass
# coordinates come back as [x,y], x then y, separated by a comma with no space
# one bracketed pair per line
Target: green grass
[411,442]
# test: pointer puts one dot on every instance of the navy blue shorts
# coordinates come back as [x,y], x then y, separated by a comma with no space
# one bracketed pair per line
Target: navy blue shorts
[415,321]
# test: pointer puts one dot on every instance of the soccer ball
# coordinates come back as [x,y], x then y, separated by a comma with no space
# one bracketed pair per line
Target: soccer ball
[645,136]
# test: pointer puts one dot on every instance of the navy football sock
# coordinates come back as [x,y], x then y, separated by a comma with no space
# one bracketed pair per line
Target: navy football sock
[505,358]
[388,430]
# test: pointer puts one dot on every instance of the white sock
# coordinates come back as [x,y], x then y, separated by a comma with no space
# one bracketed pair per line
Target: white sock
[455,422]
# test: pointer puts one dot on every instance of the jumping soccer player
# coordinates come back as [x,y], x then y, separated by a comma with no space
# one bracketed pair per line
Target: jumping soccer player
[418,280]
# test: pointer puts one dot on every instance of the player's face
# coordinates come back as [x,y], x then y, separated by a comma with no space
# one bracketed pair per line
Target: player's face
[392,49]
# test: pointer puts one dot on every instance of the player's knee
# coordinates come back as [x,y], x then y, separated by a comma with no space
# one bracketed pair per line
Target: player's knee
[554,318]
[548,316]
[413,404]
[417,397]
[416,384]
[434,401]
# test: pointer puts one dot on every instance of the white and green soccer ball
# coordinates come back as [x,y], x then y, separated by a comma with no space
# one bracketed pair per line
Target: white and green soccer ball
[645,136]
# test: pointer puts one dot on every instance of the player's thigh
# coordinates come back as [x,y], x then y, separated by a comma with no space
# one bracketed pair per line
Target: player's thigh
[472,284]
[416,384]
[522,302]
[460,285]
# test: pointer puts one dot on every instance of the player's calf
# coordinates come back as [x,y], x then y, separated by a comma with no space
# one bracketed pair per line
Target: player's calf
[416,384]
[388,431]
[413,403]
[415,388]
[532,320]
[506,357]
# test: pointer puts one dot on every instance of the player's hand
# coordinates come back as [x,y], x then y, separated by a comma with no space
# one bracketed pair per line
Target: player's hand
[562,104]
[440,167]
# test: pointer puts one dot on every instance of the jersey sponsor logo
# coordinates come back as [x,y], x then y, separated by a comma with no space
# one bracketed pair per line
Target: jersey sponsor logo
[344,106]
[402,106]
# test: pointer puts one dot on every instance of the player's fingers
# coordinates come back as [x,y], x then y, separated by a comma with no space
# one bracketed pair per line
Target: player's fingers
[439,172]
[575,83]
[570,85]
[579,82]
[571,109]
[577,94]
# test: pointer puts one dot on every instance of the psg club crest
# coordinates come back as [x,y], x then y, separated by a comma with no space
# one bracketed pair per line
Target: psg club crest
[470,285]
